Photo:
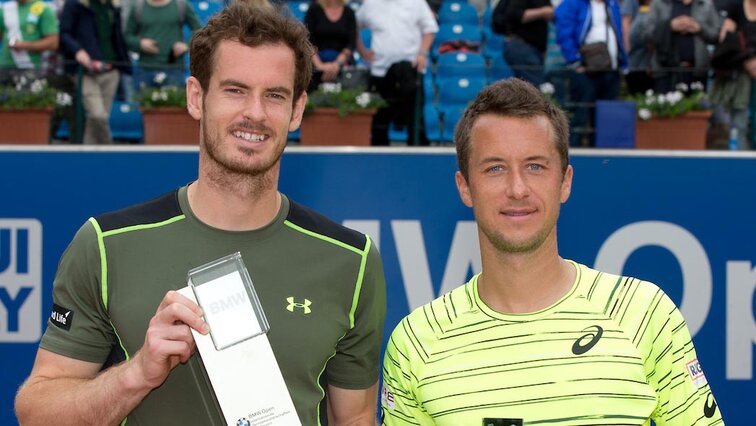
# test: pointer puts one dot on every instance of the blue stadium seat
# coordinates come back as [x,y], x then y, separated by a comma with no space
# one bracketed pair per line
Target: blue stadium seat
[487,16]
[298,8]
[460,65]
[366,35]
[458,12]
[499,69]
[206,9]
[458,90]
[494,44]
[63,131]
[126,121]
[429,88]
[450,115]
[454,32]
[615,124]
[397,135]
[432,122]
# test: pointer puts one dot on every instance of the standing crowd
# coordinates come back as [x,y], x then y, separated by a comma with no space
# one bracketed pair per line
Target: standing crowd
[608,47]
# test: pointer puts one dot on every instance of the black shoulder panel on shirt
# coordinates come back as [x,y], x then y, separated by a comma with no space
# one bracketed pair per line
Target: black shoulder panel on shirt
[156,210]
[319,224]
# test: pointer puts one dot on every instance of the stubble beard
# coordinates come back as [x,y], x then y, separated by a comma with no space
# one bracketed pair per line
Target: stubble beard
[505,245]
[227,171]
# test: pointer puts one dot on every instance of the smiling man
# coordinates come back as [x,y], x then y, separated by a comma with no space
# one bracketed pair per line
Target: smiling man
[125,349]
[535,338]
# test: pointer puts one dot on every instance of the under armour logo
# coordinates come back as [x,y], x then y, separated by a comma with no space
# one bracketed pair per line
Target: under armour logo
[578,348]
[305,306]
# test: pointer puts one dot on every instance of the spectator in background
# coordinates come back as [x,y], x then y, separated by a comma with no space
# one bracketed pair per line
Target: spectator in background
[27,28]
[731,92]
[679,31]
[91,37]
[154,29]
[582,24]
[638,78]
[402,35]
[333,32]
[526,28]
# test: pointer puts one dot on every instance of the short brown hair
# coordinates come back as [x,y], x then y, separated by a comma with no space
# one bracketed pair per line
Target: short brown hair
[511,98]
[251,26]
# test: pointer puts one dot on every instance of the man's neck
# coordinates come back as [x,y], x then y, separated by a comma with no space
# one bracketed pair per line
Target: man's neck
[235,202]
[517,283]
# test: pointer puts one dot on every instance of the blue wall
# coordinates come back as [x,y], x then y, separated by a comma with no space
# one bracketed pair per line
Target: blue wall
[686,223]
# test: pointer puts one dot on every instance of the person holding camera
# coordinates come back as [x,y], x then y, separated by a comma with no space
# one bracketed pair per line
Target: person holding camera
[91,38]
[679,31]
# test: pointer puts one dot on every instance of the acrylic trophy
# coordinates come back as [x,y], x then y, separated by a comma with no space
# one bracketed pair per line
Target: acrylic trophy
[236,353]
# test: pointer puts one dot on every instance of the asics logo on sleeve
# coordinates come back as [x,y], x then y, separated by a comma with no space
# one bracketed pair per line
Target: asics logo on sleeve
[710,410]
[594,334]
[304,306]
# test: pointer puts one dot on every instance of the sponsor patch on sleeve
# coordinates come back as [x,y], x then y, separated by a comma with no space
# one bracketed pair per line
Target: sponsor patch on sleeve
[61,317]
[696,373]
[387,398]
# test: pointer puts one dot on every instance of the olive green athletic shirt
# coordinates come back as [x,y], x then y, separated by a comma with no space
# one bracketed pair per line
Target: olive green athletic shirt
[321,286]
[613,351]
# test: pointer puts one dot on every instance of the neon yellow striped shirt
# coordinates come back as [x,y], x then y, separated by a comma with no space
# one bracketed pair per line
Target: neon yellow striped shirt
[613,351]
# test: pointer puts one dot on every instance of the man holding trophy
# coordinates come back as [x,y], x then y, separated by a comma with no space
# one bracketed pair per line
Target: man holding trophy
[119,341]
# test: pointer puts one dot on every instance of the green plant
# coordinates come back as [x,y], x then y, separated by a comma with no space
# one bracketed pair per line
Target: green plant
[332,95]
[163,96]
[28,93]
[670,104]
[160,95]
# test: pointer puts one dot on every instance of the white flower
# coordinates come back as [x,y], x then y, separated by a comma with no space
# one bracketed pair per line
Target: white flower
[644,114]
[37,86]
[696,85]
[649,93]
[661,99]
[363,99]
[546,88]
[163,96]
[160,77]
[682,87]
[63,99]
[331,87]
[155,96]
[673,97]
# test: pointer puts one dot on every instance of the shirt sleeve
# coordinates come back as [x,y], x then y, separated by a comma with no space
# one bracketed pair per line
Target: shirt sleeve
[131,33]
[426,20]
[399,403]
[192,20]
[79,326]
[49,22]
[682,392]
[355,365]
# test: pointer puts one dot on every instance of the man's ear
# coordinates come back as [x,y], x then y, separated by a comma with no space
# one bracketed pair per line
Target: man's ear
[464,189]
[194,95]
[297,112]
[566,184]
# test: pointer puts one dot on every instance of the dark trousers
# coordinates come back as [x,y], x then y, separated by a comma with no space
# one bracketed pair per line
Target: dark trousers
[525,60]
[585,89]
[405,110]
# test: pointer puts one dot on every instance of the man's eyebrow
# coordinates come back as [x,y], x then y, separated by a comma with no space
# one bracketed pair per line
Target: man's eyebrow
[232,82]
[236,83]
